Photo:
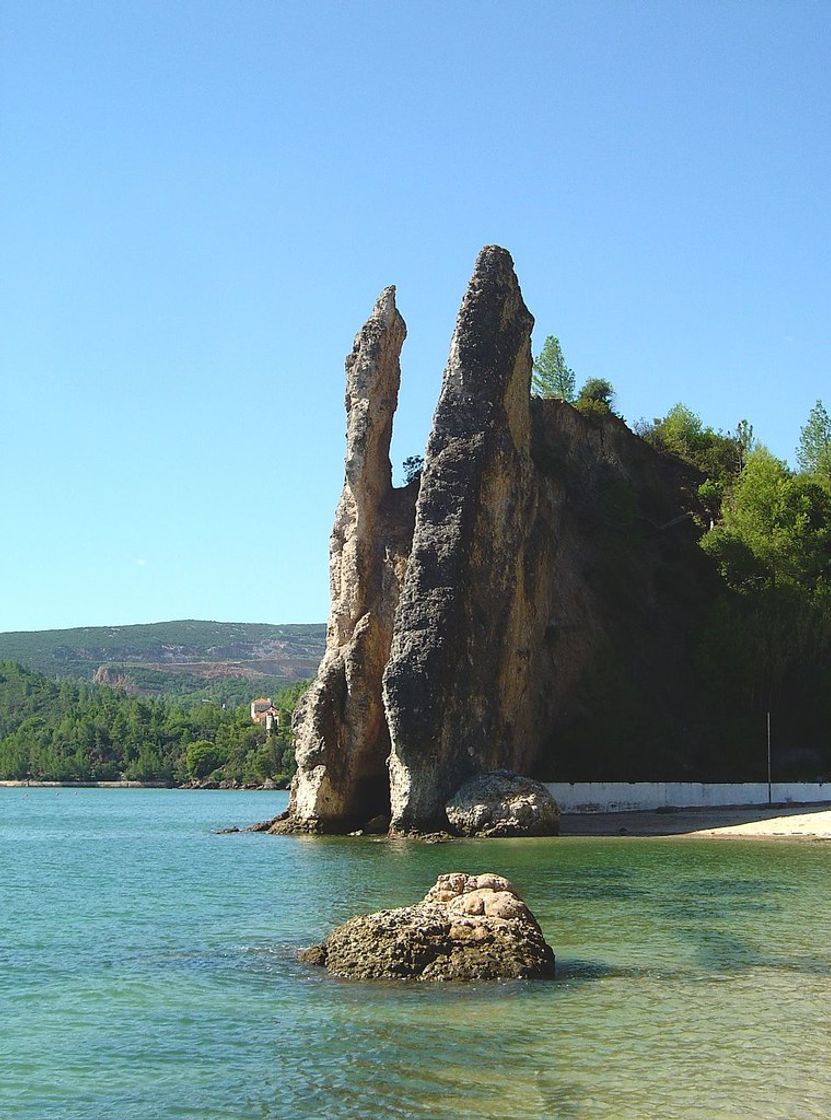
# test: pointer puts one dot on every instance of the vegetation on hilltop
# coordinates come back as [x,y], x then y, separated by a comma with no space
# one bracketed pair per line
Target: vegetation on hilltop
[552,377]
[763,644]
[188,660]
[69,731]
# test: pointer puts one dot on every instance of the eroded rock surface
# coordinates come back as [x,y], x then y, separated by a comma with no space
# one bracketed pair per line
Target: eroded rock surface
[457,679]
[545,561]
[503,804]
[467,927]
[341,735]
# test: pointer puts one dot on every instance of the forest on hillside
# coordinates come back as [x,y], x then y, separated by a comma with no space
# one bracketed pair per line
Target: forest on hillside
[765,646]
[62,730]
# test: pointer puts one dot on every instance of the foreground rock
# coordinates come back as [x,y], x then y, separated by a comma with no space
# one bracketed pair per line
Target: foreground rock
[467,927]
[503,804]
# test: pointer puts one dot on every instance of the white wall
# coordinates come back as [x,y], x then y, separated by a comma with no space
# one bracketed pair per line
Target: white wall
[602,797]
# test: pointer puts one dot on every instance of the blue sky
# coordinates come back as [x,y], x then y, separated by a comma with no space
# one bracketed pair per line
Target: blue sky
[201,201]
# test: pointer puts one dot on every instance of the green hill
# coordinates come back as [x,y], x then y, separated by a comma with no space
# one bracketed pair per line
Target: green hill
[189,659]
[73,731]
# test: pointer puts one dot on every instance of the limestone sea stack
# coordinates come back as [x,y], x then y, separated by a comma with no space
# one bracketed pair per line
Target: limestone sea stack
[526,601]
[456,687]
[341,735]
[467,927]
[435,604]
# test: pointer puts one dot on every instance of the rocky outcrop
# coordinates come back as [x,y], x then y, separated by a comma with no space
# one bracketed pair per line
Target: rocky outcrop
[524,605]
[341,734]
[503,804]
[112,678]
[467,927]
[458,671]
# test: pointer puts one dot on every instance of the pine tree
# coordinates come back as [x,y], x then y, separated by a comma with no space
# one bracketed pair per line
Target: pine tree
[814,451]
[551,376]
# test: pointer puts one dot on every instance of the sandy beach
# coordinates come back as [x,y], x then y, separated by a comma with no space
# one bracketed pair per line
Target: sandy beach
[798,822]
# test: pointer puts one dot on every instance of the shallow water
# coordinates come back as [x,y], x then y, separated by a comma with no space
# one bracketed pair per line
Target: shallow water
[147,972]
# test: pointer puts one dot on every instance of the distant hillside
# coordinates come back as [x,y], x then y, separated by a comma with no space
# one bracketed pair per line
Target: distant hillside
[188,659]
[61,731]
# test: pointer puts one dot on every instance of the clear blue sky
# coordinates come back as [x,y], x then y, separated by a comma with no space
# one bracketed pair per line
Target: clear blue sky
[201,201]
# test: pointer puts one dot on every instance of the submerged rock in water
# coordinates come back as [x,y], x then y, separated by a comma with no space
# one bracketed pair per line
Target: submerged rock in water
[467,927]
[503,804]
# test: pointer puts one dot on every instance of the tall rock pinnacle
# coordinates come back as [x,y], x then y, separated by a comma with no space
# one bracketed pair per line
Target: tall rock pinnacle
[456,681]
[342,742]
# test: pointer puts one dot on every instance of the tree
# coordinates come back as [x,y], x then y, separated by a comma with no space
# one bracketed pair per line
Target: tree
[745,441]
[551,376]
[413,465]
[814,451]
[776,529]
[202,757]
[718,456]
[681,432]
[597,396]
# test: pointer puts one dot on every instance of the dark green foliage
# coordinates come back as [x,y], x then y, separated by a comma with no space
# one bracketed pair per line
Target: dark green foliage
[596,398]
[768,649]
[765,644]
[201,758]
[412,466]
[736,562]
[597,389]
[776,530]
[66,731]
[757,640]
[720,457]
[711,493]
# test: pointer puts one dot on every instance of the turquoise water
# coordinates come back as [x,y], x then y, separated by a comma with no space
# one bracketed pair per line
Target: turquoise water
[147,971]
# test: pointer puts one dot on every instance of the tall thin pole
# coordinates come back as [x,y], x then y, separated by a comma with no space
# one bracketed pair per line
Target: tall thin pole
[770,791]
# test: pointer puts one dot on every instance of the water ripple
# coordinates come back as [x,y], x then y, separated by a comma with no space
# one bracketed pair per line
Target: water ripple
[148,971]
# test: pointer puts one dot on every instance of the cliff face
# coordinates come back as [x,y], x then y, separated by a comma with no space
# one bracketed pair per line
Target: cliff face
[543,549]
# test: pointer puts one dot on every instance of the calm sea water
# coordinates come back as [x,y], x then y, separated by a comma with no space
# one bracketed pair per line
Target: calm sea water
[147,971]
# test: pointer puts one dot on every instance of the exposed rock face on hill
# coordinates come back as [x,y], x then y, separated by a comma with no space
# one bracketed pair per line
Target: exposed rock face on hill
[547,581]
[467,927]
[175,658]
[110,677]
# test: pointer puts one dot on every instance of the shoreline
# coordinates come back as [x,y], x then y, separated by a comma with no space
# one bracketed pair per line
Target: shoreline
[18,783]
[795,822]
[780,822]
